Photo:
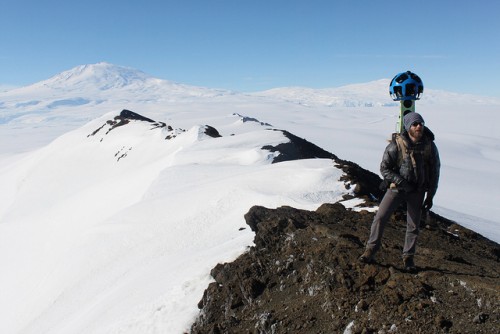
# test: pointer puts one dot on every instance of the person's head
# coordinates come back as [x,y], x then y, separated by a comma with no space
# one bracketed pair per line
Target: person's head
[414,125]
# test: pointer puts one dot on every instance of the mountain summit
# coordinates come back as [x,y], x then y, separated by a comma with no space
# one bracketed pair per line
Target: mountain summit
[106,80]
[101,75]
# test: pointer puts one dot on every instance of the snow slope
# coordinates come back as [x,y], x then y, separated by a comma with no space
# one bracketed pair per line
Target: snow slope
[114,229]
[119,230]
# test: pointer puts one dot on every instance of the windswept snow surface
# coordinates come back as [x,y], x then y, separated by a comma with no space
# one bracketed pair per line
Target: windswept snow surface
[117,232]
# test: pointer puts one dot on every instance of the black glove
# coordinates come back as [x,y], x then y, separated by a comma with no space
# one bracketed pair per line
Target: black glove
[427,203]
[384,185]
[406,187]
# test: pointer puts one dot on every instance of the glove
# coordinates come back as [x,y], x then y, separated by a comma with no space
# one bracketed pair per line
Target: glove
[384,185]
[427,203]
[406,187]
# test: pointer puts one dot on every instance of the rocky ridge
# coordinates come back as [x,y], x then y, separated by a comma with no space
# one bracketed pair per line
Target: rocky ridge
[303,274]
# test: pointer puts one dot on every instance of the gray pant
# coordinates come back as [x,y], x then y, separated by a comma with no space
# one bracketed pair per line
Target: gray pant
[392,199]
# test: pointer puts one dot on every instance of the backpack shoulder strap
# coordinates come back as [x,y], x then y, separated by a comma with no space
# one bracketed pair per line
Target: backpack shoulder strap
[402,147]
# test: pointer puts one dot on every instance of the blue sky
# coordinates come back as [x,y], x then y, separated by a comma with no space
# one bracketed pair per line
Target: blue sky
[255,45]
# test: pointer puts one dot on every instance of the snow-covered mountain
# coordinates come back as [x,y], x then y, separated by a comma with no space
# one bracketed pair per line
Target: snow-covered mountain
[103,86]
[101,77]
[369,94]
[116,225]
[111,222]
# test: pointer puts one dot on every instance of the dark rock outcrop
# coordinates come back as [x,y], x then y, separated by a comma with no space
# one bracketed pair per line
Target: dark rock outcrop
[212,132]
[246,119]
[127,114]
[303,276]
[124,118]
[365,182]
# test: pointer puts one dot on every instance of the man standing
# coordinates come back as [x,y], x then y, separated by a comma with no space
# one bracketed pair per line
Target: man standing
[410,168]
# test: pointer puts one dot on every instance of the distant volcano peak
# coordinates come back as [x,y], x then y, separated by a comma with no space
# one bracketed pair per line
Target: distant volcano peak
[100,75]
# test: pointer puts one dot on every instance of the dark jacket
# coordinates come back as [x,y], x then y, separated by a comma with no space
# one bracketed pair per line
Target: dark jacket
[425,174]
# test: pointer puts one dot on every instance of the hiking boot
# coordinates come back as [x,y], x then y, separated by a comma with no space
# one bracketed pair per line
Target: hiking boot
[367,256]
[409,265]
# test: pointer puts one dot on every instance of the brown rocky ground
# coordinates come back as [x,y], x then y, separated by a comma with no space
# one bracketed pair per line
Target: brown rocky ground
[303,274]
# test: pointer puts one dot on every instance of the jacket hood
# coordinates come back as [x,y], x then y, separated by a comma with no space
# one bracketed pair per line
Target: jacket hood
[428,134]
